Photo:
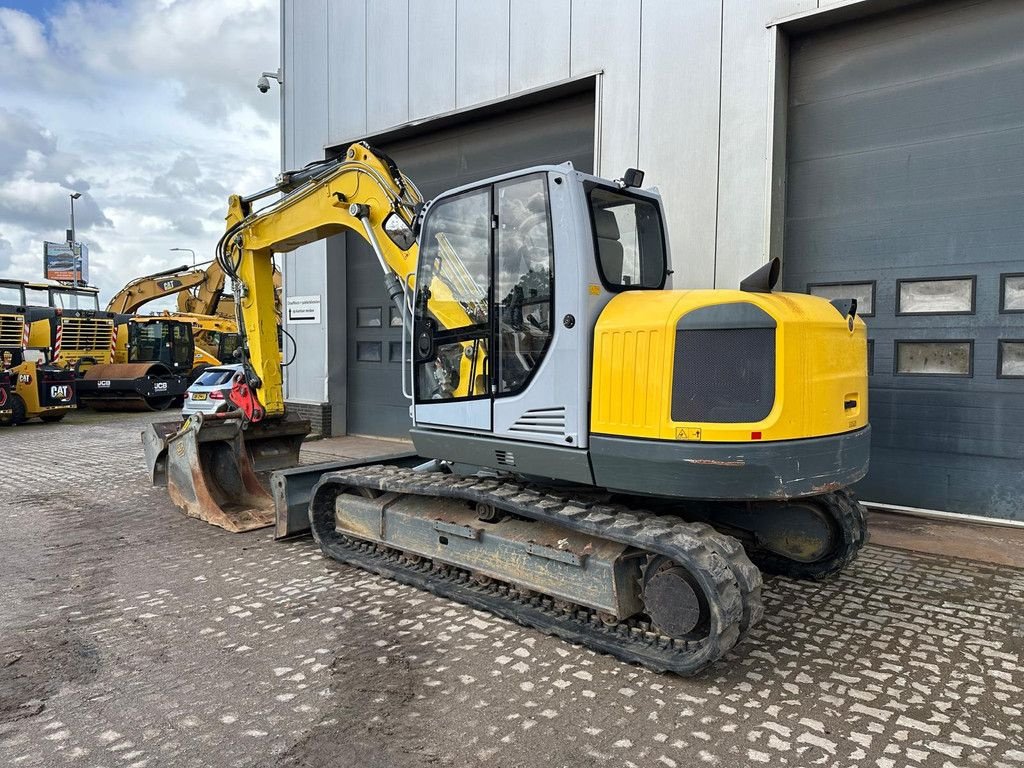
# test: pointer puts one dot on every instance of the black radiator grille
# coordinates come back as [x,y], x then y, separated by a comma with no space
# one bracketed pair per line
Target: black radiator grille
[723,375]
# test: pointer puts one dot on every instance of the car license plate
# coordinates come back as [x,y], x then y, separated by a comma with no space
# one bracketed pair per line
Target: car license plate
[199,396]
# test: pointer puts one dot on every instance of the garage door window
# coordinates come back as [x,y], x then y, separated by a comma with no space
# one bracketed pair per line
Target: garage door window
[1012,293]
[368,317]
[941,296]
[1011,359]
[934,358]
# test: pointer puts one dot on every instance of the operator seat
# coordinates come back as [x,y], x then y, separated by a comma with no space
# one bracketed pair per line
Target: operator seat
[609,249]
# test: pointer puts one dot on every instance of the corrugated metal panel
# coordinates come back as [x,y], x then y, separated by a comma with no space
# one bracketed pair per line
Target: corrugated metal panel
[481,51]
[308,80]
[594,48]
[538,43]
[288,104]
[387,79]
[905,162]
[431,57]
[679,127]
[742,182]
[345,59]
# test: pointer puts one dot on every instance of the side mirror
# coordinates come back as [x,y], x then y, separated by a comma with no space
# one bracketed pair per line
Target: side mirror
[633,177]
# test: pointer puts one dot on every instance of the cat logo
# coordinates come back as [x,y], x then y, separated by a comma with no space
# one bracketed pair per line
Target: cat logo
[167,285]
[61,392]
[24,378]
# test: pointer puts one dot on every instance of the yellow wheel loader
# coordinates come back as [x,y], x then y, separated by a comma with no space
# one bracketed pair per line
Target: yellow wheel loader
[30,385]
[599,456]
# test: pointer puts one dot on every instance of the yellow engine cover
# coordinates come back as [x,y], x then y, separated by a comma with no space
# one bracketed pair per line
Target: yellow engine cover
[820,362]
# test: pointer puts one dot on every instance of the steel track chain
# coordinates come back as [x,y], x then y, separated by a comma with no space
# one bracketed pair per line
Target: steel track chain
[731,583]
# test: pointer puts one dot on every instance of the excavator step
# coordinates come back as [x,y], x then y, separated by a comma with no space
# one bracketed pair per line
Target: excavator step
[724,585]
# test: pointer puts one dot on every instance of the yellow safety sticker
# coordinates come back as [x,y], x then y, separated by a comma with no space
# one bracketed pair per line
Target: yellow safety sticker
[687,433]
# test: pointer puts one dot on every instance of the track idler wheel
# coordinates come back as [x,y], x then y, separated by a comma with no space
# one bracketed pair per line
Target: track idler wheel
[674,601]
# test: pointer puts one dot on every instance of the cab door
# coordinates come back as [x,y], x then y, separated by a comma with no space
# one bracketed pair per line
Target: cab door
[452,314]
[483,306]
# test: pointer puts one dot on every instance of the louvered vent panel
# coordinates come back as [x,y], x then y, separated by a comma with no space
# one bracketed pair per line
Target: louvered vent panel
[541,421]
[11,329]
[81,334]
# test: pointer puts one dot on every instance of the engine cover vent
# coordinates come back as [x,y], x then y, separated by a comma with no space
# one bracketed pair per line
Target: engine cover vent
[541,421]
[724,365]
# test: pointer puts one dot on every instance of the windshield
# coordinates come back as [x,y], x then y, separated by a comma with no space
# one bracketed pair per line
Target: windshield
[146,341]
[74,299]
[214,377]
[10,294]
[37,297]
[628,238]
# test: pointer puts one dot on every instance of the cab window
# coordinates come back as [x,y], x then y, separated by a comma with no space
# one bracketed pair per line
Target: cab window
[628,239]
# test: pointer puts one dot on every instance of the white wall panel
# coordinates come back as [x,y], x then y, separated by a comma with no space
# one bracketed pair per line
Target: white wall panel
[288,100]
[606,37]
[780,9]
[306,83]
[431,57]
[346,64]
[743,188]
[309,79]
[387,73]
[538,43]
[679,123]
[481,51]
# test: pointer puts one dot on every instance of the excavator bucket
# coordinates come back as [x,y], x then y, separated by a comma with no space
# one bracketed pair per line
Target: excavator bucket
[209,469]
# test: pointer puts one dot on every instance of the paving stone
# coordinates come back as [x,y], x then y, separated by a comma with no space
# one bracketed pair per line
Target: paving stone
[133,636]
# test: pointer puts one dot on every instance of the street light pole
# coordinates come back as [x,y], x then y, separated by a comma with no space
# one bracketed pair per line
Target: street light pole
[71,243]
[190,251]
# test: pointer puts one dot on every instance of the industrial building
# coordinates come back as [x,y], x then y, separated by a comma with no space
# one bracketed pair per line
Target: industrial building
[875,146]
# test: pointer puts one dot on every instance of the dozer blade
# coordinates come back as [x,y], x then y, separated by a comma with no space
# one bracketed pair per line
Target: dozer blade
[208,470]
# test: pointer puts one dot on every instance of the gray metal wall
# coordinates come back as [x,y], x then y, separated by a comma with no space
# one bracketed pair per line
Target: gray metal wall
[910,165]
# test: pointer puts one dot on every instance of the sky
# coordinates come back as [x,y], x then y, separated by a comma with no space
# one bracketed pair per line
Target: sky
[149,109]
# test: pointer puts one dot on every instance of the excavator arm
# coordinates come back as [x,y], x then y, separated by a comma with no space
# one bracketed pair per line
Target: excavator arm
[363,192]
[143,290]
[208,467]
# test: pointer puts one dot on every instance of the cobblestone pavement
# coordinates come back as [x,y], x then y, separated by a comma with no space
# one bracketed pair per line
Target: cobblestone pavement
[132,636]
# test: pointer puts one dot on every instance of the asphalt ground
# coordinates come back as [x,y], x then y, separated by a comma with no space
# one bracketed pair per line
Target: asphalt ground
[133,636]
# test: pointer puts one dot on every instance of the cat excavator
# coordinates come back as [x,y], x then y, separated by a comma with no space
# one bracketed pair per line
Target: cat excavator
[199,291]
[600,457]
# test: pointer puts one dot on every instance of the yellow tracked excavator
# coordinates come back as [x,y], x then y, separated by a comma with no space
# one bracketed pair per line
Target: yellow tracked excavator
[597,456]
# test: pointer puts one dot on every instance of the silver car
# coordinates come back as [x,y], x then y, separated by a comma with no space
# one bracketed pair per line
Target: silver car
[209,392]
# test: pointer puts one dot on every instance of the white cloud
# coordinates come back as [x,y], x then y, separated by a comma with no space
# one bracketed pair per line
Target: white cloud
[147,108]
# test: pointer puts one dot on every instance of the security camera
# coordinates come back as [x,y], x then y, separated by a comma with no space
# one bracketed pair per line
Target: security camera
[264,82]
